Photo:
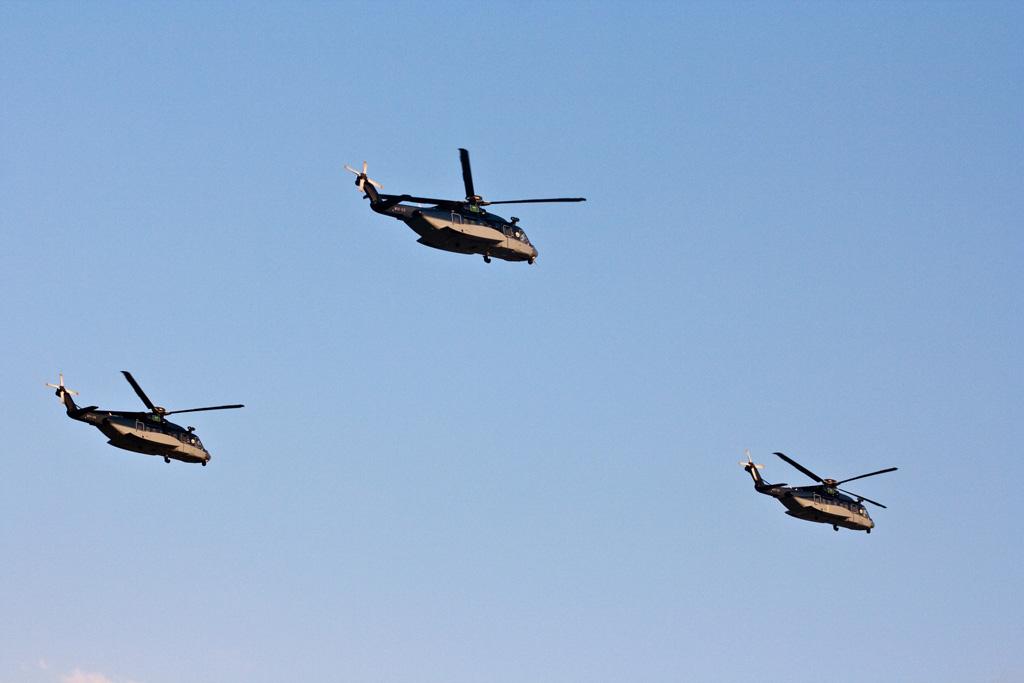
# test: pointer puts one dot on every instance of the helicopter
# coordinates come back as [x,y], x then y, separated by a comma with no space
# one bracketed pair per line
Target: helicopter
[825,503]
[461,226]
[149,433]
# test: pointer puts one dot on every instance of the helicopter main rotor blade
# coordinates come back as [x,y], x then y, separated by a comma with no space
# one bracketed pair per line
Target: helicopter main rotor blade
[800,467]
[860,497]
[467,174]
[196,410]
[536,201]
[870,474]
[138,389]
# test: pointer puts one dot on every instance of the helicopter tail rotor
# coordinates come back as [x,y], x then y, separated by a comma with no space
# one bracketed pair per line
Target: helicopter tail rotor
[752,467]
[362,179]
[64,394]
[61,389]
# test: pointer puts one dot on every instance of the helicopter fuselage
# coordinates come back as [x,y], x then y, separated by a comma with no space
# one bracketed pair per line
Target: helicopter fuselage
[817,504]
[464,232]
[147,433]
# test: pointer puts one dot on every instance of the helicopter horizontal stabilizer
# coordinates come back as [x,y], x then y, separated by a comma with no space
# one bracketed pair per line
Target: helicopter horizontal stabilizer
[382,202]
[79,412]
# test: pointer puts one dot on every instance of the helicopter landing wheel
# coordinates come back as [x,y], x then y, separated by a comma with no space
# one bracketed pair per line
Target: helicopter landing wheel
[167,460]
[203,463]
[835,528]
[530,261]
[487,258]
[868,530]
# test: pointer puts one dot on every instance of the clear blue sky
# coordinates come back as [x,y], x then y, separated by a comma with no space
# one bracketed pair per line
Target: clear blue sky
[802,233]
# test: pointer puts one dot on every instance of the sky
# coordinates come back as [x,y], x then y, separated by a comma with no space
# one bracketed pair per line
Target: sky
[801,234]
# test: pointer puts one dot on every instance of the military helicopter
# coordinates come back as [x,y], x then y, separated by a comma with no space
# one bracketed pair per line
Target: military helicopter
[462,226]
[825,503]
[148,433]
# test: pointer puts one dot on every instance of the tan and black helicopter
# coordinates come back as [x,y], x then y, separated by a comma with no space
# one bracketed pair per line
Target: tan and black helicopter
[462,226]
[148,433]
[825,503]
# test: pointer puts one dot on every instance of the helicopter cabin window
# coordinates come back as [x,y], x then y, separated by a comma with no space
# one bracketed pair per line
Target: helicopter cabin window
[513,232]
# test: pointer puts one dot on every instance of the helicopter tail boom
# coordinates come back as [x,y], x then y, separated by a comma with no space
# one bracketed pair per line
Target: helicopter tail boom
[752,468]
[378,202]
[760,485]
[371,192]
